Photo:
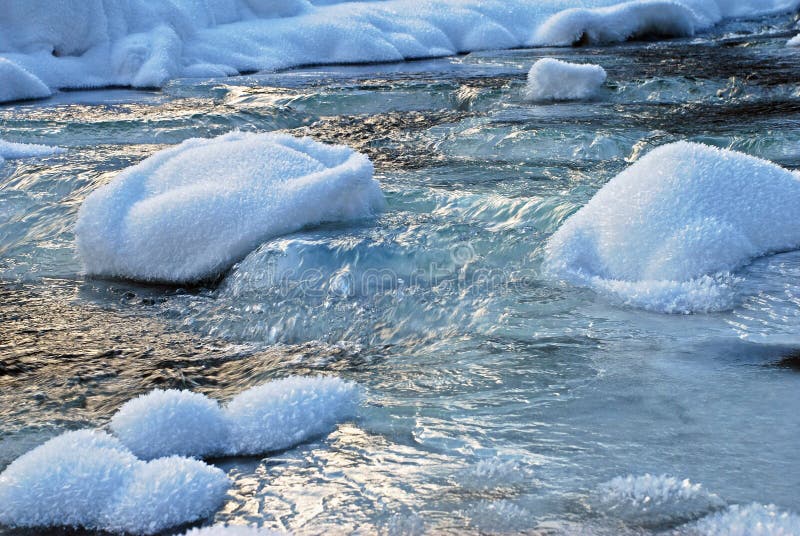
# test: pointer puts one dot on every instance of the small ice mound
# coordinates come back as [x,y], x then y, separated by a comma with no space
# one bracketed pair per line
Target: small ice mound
[17,83]
[189,212]
[665,233]
[750,520]
[171,422]
[231,530]
[284,413]
[554,80]
[500,516]
[10,150]
[89,479]
[617,23]
[794,41]
[653,501]
[495,473]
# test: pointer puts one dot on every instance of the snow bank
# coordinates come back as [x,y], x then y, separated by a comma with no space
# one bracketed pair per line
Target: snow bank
[189,212]
[665,233]
[552,79]
[794,41]
[649,500]
[269,417]
[749,520]
[91,43]
[89,479]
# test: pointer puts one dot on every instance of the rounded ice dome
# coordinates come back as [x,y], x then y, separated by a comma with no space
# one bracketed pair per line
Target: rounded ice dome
[188,213]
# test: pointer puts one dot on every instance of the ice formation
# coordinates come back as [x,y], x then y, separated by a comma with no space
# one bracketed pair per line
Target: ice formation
[552,79]
[749,520]
[10,150]
[268,417]
[665,233]
[650,500]
[93,43]
[231,530]
[794,41]
[189,212]
[89,479]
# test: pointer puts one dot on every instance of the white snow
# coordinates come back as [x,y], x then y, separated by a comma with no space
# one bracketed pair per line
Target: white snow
[265,418]
[794,41]
[89,479]
[653,500]
[189,212]
[10,150]
[552,79]
[749,520]
[665,233]
[92,43]
[231,530]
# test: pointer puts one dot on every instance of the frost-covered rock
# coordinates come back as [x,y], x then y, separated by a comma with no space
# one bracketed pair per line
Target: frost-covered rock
[171,422]
[93,43]
[189,212]
[749,520]
[18,84]
[794,41]
[283,413]
[649,500]
[269,417]
[89,479]
[665,233]
[552,79]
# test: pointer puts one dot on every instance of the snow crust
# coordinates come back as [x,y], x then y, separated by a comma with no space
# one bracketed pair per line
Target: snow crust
[653,500]
[269,417]
[89,479]
[189,212]
[552,79]
[666,233]
[748,520]
[142,43]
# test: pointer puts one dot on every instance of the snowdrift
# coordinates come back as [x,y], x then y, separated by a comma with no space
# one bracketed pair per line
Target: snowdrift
[552,79]
[89,479]
[266,418]
[145,43]
[189,212]
[666,233]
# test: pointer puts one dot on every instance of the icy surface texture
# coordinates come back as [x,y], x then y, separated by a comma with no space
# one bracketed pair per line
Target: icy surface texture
[265,418]
[650,500]
[189,212]
[89,479]
[748,520]
[665,233]
[143,43]
[794,41]
[552,79]
[231,530]
[10,150]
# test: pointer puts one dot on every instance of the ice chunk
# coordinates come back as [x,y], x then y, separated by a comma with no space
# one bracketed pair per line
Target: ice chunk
[268,417]
[89,479]
[18,84]
[552,79]
[665,233]
[10,150]
[171,422]
[794,41]
[649,500]
[231,530]
[189,212]
[750,520]
[283,413]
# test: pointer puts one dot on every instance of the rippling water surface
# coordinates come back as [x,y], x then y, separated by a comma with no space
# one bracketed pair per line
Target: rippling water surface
[498,400]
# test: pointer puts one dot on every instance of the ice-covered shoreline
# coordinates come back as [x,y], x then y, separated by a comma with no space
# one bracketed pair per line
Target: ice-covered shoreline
[145,44]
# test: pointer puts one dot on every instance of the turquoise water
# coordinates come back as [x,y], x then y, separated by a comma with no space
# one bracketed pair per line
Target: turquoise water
[498,400]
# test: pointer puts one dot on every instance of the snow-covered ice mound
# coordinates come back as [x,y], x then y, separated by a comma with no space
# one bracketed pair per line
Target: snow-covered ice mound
[552,79]
[650,501]
[265,418]
[93,43]
[665,233]
[750,520]
[189,212]
[10,150]
[89,479]
[794,41]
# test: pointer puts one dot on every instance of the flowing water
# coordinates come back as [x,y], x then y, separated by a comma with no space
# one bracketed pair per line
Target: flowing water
[497,400]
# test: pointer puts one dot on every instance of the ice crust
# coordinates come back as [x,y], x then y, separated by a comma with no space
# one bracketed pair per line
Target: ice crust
[666,233]
[143,43]
[556,80]
[265,418]
[231,530]
[89,479]
[748,520]
[10,150]
[653,500]
[189,212]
